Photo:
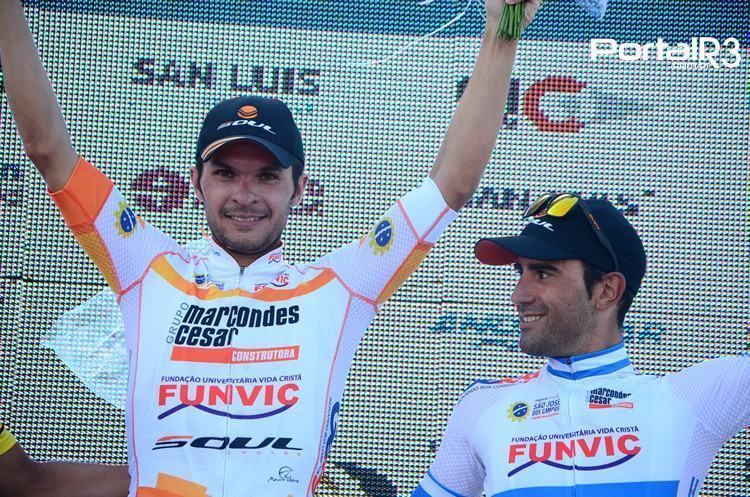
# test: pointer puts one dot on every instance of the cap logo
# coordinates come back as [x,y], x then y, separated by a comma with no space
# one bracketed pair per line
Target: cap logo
[247,122]
[543,224]
[247,112]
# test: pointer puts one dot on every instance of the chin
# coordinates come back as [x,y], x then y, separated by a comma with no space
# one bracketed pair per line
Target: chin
[531,348]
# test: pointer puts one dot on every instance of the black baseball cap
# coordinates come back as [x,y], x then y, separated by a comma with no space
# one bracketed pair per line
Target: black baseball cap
[266,121]
[549,238]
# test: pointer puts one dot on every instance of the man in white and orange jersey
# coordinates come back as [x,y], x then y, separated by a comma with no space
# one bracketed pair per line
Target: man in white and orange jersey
[587,424]
[20,476]
[238,359]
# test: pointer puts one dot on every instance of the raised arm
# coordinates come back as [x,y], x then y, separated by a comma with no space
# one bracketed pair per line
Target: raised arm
[472,133]
[32,100]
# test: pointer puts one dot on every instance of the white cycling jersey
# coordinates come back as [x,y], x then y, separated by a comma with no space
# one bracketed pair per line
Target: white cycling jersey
[591,426]
[236,375]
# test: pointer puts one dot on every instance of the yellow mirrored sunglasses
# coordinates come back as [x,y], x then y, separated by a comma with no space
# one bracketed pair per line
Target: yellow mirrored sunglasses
[560,205]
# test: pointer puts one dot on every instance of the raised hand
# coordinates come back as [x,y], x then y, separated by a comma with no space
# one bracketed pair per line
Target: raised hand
[495,10]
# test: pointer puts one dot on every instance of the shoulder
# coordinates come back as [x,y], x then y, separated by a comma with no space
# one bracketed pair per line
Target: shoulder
[719,366]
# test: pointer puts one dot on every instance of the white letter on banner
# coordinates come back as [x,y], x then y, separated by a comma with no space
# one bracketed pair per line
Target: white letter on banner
[595,49]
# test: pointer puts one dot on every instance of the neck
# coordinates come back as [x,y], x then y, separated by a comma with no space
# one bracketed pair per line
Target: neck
[599,340]
[244,259]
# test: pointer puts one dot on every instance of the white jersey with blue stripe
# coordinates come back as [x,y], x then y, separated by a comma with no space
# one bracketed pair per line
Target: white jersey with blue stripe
[591,425]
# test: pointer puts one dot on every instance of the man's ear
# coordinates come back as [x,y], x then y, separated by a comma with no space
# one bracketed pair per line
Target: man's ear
[299,190]
[609,290]
[195,180]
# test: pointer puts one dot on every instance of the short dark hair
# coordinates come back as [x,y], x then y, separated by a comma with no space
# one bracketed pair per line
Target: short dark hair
[297,169]
[592,275]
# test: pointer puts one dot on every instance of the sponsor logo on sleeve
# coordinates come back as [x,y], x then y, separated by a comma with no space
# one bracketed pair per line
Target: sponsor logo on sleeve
[126,220]
[381,237]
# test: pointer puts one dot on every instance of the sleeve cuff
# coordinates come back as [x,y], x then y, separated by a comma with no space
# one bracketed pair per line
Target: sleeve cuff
[83,195]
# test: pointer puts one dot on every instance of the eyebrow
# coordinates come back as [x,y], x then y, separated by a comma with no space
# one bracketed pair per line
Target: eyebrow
[538,266]
[219,164]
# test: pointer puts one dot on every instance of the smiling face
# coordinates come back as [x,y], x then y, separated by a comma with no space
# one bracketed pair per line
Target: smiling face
[247,197]
[558,318]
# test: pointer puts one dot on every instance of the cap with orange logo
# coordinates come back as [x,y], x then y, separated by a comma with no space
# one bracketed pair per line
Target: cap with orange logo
[266,121]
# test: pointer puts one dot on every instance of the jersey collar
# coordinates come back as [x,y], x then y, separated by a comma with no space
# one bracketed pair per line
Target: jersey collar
[269,261]
[602,362]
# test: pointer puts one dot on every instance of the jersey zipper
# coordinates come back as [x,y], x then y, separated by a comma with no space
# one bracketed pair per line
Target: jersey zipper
[230,374]
[573,488]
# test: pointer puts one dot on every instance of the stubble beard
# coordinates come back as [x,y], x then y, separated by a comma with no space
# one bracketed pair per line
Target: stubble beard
[563,336]
[252,245]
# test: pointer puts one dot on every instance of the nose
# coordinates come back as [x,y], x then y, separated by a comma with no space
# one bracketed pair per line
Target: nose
[522,292]
[244,191]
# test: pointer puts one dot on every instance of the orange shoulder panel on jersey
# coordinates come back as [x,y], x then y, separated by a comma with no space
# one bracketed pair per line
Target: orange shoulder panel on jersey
[80,201]
[80,209]
[410,264]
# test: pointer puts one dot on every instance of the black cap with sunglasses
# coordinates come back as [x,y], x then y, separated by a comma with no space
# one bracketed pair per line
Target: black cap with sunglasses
[565,226]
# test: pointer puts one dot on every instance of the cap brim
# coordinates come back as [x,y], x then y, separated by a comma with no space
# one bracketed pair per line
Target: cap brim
[285,158]
[507,250]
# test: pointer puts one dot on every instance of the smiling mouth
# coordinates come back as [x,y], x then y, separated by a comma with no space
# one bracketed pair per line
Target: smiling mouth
[245,219]
[531,318]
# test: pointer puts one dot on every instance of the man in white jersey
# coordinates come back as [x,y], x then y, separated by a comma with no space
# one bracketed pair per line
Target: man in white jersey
[238,359]
[586,424]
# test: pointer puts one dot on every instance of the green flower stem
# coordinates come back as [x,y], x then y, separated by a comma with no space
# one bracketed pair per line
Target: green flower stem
[511,19]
